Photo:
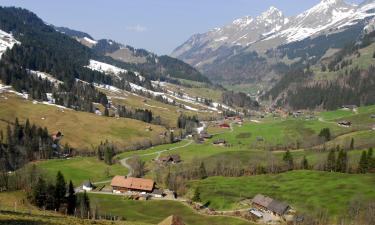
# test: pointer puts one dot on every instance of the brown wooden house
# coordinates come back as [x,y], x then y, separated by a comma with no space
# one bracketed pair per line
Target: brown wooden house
[121,184]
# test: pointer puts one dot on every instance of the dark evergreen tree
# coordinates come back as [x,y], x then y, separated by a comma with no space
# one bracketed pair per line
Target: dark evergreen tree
[325,133]
[331,161]
[197,195]
[71,199]
[288,159]
[39,193]
[60,190]
[352,144]
[363,163]
[202,171]
[304,163]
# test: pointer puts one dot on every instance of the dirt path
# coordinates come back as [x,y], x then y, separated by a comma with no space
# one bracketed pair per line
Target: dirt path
[158,153]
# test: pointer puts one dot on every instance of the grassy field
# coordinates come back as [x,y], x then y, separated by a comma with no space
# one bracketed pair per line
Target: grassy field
[155,211]
[279,132]
[27,214]
[81,130]
[304,190]
[81,168]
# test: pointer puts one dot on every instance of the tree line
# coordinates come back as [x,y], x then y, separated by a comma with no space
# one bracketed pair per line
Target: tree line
[23,143]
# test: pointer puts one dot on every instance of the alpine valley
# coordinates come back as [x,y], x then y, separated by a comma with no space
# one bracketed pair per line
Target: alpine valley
[269,119]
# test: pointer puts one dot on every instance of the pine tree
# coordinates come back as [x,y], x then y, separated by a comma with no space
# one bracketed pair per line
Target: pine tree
[363,163]
[71,200]
[304,163]
[325,133]
[288,159]
[197,195]
[331,161]
[202,171]
[60,190]
[84,204]
[39,193]
[106,112]
[352,144]
[342,161]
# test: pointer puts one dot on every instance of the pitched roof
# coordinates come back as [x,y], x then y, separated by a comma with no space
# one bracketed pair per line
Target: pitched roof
[278,207]
[172,220]
[133,183]
[262,200]
[270,204]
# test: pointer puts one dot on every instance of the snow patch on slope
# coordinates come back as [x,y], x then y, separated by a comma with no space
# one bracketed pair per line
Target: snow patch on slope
[6,41]
[45,76]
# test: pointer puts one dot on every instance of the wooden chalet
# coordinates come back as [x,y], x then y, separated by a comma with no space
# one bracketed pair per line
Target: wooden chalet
[121,184]
[57,136]
[266,203]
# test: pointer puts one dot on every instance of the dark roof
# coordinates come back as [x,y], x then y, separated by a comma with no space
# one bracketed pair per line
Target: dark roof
[220,141]
[157,192]
[278,207]
[87,184]
[271,204]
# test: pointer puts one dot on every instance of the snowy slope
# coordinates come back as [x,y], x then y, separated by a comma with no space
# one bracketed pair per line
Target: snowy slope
[110,69]
[271,29]
[6,41]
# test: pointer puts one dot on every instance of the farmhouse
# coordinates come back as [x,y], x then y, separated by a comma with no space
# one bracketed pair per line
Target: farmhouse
[345,123]
[271,205]
[174,159]
[121,184]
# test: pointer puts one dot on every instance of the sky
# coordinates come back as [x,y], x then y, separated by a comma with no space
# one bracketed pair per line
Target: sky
[156,25]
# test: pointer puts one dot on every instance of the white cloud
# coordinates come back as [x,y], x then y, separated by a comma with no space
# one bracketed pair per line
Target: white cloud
[136,28]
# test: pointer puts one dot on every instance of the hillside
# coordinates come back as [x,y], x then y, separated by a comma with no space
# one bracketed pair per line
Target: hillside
[147,63]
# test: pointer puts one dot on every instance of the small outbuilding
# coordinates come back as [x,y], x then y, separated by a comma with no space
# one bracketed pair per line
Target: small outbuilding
[87,186]
[220,142]
[345,123]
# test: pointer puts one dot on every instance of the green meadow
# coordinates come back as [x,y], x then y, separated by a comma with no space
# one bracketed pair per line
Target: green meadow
[304,190]
[154,212]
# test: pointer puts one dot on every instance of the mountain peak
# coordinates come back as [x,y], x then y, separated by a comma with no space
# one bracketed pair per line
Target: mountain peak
[272,12]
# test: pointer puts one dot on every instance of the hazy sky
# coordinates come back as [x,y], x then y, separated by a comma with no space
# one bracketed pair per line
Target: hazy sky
[156,25]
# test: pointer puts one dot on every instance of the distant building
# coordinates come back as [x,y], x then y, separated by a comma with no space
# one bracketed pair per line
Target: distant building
[121,184]
[350,107]
[224,125]
[220,142]
[57,136]
[345,123]
[373,116]
[174,159]
[87,186]
[205,135]
[271,205]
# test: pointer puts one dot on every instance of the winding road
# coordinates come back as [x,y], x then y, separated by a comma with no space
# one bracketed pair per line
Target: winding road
[158,153]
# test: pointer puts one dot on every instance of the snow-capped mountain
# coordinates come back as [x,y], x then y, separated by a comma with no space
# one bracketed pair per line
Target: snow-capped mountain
[272,29]
[241,32]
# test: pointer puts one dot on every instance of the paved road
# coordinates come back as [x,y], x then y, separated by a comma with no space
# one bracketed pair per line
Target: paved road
[158,153]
